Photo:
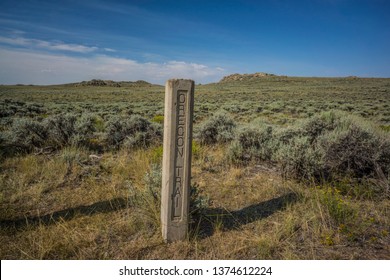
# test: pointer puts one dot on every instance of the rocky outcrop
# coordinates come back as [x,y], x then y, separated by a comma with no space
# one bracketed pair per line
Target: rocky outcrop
[110,83]
[99,83]
[245,77]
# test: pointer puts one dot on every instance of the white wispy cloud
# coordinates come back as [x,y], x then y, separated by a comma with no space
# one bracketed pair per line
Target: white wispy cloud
[40,44]
[66,47]
[109,50]
[31,67]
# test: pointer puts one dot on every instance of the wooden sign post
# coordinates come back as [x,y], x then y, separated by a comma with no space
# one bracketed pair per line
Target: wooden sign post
[176,169]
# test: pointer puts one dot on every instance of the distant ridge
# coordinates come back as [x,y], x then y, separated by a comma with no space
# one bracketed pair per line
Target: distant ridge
[110,83]
[245,77]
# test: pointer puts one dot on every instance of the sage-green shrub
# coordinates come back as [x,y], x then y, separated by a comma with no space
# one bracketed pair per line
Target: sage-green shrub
[134,131]
[220,128]
[253,142]
[25,134]
[335,144]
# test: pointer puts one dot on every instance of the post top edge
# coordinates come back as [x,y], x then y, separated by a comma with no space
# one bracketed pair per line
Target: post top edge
[184,80]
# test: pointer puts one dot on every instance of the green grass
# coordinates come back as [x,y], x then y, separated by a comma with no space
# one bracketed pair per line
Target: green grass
[93,200]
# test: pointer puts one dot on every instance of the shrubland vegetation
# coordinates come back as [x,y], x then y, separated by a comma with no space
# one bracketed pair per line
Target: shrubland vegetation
[283,168]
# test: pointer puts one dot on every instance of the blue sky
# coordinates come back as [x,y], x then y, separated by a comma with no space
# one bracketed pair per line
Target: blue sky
[52,42]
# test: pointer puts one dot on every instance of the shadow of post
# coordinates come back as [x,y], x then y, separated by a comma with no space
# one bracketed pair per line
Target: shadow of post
[202,226]
[205,223]
[67,214]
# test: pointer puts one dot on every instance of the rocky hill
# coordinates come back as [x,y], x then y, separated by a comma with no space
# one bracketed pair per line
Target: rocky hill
[110,83]
[245,77]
